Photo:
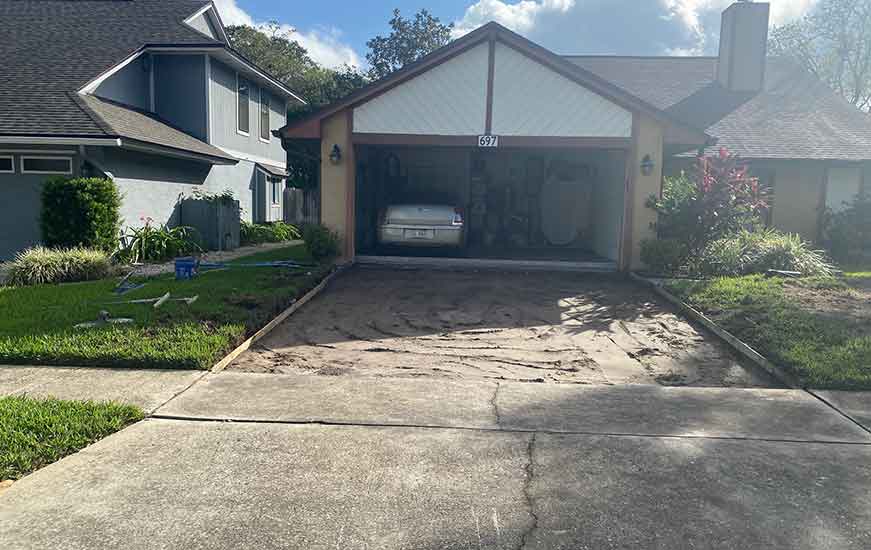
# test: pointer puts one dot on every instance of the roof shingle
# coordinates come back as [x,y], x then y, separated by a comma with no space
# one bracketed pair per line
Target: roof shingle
[126,122]
[796,116]
[53,47]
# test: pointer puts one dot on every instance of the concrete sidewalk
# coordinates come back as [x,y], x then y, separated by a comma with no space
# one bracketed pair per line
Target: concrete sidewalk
[199,485]
[787,415]
[261,461]
[147,389]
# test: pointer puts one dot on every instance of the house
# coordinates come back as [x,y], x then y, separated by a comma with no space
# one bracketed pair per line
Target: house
[149,92]
[528,142]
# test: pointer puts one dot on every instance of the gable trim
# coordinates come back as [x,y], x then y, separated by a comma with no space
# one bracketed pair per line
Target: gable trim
[491,77]
[213,48]
[214,19]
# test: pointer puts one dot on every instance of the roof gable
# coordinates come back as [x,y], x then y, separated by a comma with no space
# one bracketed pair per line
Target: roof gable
[308,127]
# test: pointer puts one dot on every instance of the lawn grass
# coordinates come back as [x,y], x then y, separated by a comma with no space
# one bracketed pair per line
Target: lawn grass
[37,432]
[37,326]
[822,350]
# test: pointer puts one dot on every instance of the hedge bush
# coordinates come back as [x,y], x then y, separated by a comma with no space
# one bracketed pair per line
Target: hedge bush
[259,233]
[322,243]
[40,265]
[81,212]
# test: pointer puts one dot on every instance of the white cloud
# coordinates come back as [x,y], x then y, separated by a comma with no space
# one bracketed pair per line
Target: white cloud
[325,46]
[692,13]
[520,16]
[232,14]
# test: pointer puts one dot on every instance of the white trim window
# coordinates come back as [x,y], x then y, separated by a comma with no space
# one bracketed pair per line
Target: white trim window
[265,133]
[276,190]
[7,164]
[243,106]
[47,165]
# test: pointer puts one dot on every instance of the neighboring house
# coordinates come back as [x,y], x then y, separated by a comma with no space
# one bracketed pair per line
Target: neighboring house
[614,125]
[148,92]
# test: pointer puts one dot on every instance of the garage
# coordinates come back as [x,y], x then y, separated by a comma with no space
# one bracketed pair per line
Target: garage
[491,148]
[522,204]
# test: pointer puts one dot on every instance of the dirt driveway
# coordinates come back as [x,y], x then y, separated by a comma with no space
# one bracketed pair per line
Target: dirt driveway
[534,327]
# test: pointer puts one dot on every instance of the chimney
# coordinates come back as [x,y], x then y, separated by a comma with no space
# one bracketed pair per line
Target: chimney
[743,46]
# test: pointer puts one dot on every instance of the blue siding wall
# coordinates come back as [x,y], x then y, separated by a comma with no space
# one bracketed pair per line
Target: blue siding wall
[21,202]
[152,185]
[131,85]
[180,92]
[224,122]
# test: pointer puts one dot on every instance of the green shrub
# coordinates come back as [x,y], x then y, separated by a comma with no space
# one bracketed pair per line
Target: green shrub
[275,232]
[81,212]
[40,265]
[663,256]
[322,243]
[158,244]
[848,233]
[719,199]
[757,252]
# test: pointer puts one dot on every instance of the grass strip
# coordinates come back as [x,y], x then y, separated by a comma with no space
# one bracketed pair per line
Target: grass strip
[37,327]
[822,350]
[37,432]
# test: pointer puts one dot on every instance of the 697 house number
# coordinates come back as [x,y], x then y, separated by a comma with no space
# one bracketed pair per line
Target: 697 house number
[488,141]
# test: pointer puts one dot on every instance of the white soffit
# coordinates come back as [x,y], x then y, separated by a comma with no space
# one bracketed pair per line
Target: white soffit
[448,100]
[530,99]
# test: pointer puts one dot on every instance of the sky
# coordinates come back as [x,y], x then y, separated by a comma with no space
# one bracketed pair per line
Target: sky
[335,32]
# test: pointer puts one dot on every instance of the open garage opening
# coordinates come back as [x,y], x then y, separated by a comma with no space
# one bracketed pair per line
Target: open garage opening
[504,204]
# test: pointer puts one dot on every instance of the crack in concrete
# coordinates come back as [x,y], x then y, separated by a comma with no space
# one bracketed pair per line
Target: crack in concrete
[529,474]
[494,401]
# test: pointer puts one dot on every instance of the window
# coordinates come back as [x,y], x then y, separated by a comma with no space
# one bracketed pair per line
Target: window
[6,165]
[276,190]
[769,185]
[46,165]
[264,116]
[243,91]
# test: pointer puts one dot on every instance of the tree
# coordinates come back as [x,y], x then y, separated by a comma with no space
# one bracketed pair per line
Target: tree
[408,41]
[834,43]
[272,47]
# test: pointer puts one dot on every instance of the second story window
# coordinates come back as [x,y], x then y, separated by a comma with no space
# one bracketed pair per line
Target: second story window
[264,115]
[243,92]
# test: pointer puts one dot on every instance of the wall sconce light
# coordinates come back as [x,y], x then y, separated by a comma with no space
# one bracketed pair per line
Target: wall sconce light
[647,165]
[336,154]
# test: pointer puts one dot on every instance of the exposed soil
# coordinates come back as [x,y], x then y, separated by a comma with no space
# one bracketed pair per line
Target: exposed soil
[534,327]
[852,303]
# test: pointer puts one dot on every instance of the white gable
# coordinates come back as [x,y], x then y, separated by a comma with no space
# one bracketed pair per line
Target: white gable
[530,99]
[202,22]
[448,100]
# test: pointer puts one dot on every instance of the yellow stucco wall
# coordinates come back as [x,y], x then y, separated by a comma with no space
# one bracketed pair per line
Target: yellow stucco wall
[798,188]
[337,179]
[647,140]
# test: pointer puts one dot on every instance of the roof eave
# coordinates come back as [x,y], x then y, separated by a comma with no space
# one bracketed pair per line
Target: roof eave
[164,150]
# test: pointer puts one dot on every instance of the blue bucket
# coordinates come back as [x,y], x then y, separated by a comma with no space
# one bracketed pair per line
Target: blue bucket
[185,268]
